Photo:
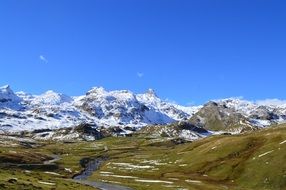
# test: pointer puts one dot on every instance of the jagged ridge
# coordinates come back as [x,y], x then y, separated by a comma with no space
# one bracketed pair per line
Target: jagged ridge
[127,111]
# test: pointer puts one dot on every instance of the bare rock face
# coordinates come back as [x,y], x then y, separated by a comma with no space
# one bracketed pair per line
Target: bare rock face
[182,130]
[84,131]
[264,113]
[218,117]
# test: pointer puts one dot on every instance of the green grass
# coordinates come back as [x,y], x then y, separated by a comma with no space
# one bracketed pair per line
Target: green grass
[216,161]
[35,180]
[250,161]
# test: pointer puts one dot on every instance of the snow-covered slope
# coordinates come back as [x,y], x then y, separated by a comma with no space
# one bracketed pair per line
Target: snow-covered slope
[8,99]
[153,102]
[22,111]
[122,107]
[124,111]
[51,98]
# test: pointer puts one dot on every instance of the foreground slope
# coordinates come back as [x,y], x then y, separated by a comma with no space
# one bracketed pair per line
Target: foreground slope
[250,161]
[253,160]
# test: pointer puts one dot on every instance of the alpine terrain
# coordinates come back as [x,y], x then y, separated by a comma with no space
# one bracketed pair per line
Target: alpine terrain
[118,140]
[121,112]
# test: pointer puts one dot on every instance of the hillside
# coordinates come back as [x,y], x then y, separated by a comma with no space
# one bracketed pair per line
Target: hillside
[247,161]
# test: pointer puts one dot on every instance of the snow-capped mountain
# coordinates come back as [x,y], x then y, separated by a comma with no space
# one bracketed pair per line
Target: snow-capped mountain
[125,112]
[236,115]
[22,111]
[226,116]
[120,107]
[257,113]
[8,98]
[51,98]
[177,112]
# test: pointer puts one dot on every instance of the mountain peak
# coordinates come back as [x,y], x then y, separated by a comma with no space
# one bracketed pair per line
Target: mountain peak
[51,98]
[7,95]
[5,88]
[151,92]
[96,90]
[50,92]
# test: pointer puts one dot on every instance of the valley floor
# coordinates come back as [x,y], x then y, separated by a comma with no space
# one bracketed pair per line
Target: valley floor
[248,161]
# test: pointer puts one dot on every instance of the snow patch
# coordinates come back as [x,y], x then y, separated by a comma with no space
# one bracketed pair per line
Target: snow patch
[153,181]
[264,154]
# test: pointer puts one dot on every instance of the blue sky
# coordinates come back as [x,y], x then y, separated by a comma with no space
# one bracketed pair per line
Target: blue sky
[189,51]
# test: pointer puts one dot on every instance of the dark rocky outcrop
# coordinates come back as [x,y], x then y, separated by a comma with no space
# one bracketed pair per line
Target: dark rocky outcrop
[218,117]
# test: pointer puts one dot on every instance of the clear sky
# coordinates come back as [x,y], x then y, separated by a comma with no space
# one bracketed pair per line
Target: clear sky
[189,51]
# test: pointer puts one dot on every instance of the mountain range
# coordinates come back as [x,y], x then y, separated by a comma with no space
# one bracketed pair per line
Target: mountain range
[124,112]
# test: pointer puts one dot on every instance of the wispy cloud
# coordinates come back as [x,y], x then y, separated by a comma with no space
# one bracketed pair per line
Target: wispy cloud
[43,59]
[140,75]
[271,102]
